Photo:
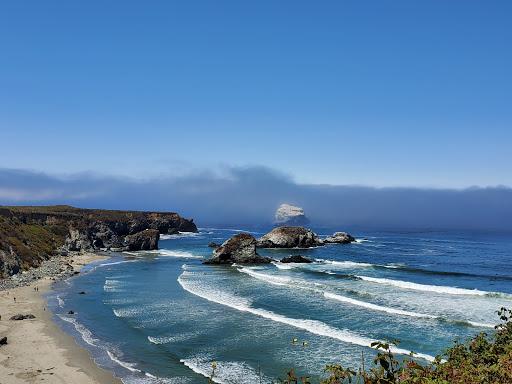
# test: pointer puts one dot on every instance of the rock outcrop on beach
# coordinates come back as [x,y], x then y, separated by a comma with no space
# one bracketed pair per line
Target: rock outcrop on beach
[143,240]
[289,237]
[31,235]
[240,249]
[20,316]
[296,259]
[340,238]
[288,214]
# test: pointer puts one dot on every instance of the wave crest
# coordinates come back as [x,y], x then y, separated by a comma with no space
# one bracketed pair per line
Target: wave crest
[313,326]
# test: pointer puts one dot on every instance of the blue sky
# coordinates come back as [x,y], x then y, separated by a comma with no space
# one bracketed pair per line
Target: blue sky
[382,93]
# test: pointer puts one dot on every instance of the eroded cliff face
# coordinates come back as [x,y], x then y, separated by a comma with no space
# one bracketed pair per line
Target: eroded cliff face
[29,235]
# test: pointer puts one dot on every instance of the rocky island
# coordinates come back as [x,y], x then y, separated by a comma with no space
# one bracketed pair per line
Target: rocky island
[288,214]
[290,237]
[31,235]
[241,248]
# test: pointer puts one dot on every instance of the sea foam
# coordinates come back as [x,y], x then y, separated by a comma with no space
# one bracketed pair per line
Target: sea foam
[179,235]
[284,281]
[429,288]
[226,372]
[82,330]
[174,253]
[124,364]
[313,326]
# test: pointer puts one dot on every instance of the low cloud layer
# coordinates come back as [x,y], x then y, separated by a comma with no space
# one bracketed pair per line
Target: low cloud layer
[249,197]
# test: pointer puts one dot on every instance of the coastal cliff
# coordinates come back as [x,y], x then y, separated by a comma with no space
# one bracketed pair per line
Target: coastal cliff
[30,235]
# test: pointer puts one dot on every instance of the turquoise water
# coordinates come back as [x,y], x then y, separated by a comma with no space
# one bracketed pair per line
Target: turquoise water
[163,317]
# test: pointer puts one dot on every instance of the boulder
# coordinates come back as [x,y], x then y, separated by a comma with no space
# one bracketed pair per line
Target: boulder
[296,259]
[143,240]
[340,238]
[240,249]
[289,237]
[3,340]
[290,215]
[19,316]
[213,244]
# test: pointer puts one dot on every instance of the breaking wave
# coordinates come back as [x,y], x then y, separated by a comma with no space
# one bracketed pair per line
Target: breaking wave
[174,253]
[179,235]
[430,288]
[226,372]
[276,280]
[124,364]
[171,339]
[313,326]
[83,331]
[117,262]
[285,281]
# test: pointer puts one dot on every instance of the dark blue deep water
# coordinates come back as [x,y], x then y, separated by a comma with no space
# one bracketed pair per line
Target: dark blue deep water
[163,317]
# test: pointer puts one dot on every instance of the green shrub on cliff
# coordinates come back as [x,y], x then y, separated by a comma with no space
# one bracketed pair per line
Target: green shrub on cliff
[484,359]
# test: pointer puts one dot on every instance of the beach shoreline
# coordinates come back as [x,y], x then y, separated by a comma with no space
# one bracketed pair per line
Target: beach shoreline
[38,349]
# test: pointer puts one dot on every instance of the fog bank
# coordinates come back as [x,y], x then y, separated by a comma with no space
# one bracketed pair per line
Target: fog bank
[249,196]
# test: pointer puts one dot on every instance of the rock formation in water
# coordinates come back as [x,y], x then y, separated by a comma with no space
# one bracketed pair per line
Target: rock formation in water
[289,237]
[288,214]
[30,235]
[240,249]
[296,259]
[340,238]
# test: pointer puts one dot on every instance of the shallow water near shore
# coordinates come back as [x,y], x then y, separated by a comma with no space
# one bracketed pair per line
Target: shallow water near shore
[163,317]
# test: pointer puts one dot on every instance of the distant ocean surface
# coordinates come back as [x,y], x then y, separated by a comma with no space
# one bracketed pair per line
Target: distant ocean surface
[163,317]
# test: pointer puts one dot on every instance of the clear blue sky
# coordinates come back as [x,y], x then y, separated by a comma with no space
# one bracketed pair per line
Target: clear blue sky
[383,93]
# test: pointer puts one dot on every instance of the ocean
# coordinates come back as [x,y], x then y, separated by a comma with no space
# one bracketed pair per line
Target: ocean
[163,317]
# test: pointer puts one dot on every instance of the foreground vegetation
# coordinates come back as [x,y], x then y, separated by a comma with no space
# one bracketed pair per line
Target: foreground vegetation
[485,359]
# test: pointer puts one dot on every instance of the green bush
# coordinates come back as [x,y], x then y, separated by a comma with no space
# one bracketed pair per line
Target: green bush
[484,359]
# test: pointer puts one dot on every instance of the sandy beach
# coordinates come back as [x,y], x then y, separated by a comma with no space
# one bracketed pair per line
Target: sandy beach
[38,350]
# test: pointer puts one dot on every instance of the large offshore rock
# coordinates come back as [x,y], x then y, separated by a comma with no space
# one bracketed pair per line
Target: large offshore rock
[240,249]
[340,238]
[289,237]
[288,214]
[296,259]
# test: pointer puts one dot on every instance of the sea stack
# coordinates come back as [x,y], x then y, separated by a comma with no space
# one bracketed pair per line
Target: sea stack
[340,238]
[289,237]
[240,249]
[288,214]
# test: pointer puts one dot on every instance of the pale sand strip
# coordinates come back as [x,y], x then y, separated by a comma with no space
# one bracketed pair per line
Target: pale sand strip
[38,350]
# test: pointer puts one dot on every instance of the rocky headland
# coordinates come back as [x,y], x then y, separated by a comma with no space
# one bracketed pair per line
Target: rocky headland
[31,235]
